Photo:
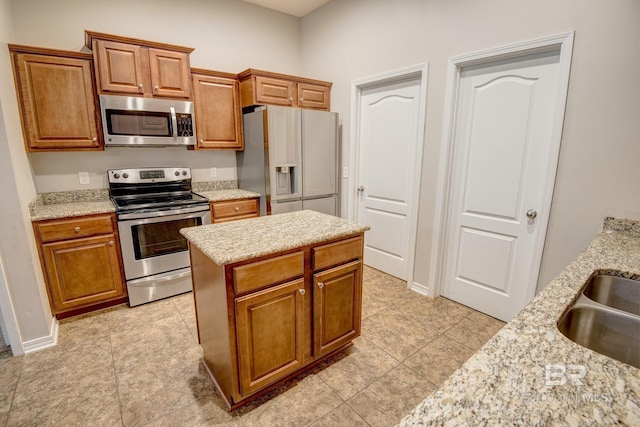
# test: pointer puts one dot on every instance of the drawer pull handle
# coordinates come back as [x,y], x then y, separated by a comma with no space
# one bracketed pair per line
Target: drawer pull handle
[302,291]
[237,208]
[320,285]
[77,229]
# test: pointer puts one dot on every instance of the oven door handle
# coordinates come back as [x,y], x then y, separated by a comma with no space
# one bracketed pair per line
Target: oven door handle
[174,123]
[166,277]
[163,214]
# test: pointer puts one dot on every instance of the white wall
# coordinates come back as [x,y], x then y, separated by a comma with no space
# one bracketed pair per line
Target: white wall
[228,35]
[24,302]
[597,174]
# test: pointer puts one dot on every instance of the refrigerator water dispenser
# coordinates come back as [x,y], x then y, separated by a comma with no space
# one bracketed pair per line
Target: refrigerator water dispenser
[285,179]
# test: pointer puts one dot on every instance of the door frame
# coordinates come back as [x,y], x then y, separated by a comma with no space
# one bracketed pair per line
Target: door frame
[357,86]
[562,42]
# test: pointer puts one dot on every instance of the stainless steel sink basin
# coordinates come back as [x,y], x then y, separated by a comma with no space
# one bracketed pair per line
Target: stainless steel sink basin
[606,332]
[606,318]
[616,292]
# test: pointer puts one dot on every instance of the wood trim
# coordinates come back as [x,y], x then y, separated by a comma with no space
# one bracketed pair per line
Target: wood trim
[18,48]
[214,73]
[90,35]
[246,74]
[95,307]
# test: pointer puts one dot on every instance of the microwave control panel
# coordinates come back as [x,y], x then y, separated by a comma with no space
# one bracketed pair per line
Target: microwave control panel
[185,124]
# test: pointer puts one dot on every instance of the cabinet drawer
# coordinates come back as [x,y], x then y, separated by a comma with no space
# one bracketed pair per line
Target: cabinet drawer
[336,253]
[271,271]
[75,228]
[234,209]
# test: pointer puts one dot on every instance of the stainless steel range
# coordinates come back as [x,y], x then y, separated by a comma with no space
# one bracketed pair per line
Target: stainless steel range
[152,205]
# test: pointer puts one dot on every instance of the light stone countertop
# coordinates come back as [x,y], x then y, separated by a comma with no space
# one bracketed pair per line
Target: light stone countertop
[505,382]
[231,194]
[235,241]
[66,204]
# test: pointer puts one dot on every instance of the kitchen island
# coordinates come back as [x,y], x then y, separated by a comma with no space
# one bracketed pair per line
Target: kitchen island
[274,296]
[530,374]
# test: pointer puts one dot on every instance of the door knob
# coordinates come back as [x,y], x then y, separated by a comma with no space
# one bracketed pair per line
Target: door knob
[531,213]
[360,189]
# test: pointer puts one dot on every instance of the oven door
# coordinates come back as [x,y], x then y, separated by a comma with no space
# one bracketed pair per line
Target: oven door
[154,245]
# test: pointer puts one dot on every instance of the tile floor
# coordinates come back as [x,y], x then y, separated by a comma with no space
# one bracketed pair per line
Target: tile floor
[142,366]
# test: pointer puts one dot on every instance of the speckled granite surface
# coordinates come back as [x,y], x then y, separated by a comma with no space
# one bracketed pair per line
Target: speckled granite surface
[66,204]
[240,240]
[505,382]
[70,203]
[231,194]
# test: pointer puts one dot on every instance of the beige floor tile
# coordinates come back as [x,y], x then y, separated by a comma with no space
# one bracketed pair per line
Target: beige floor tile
[439,359]
[396,333]
[364,364]
[152,342]
[372,304]
[185,306]
[306,402]
[475,330]
[210,410]
[342,416]
[385,288]
[391,397]
[67,398]
[9,374]
[153,389]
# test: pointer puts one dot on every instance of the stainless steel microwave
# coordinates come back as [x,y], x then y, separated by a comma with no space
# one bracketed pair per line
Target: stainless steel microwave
[129,121]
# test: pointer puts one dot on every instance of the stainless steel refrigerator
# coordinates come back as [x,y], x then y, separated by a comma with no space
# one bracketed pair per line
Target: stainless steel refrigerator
[290,157]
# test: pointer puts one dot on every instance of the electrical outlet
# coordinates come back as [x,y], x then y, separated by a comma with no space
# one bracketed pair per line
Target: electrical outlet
[83,177]
[214,172]
[345,172]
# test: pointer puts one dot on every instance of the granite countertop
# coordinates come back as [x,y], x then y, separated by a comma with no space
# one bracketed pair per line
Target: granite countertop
[505,382]
[235,241]
[65,204]
[230,194]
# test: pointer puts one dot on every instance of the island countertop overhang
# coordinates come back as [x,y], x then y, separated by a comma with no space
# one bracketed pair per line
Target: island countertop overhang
[236,241]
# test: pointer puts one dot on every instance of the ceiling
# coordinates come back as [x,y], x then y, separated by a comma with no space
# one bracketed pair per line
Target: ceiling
[297,8]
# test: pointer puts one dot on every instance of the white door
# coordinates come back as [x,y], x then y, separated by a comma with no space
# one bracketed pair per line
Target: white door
[503,159]
[387,175]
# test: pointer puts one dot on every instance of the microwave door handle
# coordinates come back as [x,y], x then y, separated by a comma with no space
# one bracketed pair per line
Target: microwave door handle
[174,123]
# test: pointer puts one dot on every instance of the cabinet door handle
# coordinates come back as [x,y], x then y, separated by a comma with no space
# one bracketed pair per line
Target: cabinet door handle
[94,139]
[110,242]
[301,99]
[140,86]
[302,291]
[77,229]
[320,285]
[156,87]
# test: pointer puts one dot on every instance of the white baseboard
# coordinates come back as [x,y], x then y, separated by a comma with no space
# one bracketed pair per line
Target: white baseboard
[41,343]
[421,289]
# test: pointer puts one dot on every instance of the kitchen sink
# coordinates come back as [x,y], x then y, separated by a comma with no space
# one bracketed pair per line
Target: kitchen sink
[614,291]
[606,318]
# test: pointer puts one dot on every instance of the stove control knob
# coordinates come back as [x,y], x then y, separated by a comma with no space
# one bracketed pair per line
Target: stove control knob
[177,173]
[116,175]
[125,175]
[184,173]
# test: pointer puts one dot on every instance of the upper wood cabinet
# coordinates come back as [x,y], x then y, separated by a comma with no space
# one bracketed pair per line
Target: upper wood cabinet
[218,113]
[259,87]
[139,67]
[57,99]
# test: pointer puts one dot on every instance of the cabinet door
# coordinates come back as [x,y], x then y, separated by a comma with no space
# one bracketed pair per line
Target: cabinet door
[170,73]
[274,91]
[313,96]
[270,335]
[120,67]
[337,301]
[57,100]
[218,113]
[82,272]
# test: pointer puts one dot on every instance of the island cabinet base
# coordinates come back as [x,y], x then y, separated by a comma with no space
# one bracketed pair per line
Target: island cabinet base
[264,320]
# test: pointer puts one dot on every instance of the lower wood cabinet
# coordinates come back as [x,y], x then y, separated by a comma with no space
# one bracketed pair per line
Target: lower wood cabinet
[229,210]
[81,263]
[264,320]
